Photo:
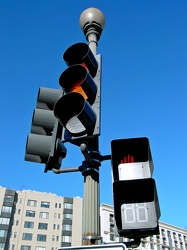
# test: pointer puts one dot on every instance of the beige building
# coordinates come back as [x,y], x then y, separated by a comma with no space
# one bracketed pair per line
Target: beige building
[41,221]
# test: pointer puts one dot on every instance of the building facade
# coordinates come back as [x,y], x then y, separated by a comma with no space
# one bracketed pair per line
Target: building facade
[31,220]
[170,237]
[7,207]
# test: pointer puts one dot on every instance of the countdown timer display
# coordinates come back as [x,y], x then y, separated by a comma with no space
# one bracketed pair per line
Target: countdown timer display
[142,215]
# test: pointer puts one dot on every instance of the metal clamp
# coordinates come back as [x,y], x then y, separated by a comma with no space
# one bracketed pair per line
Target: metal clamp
[92,239]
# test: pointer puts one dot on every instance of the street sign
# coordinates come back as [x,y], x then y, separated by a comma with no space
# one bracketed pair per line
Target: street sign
[117,246]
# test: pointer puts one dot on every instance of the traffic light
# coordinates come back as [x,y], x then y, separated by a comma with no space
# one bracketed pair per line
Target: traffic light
[78,110]
[44,144]
[136,206]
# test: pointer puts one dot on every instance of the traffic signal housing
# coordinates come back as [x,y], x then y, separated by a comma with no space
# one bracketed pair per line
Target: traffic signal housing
[78,110]
[136,206]
[44,144]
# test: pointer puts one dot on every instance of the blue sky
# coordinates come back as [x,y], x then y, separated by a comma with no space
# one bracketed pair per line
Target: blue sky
[144,89]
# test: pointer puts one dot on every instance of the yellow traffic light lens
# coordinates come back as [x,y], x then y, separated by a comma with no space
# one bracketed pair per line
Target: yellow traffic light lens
[78,88]
[76,78]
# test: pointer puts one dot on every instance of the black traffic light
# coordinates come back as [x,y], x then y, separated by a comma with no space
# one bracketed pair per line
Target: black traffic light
[136,206]
[44,144]
[78,110]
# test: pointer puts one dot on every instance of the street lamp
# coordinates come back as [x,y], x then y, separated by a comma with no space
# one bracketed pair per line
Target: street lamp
[92,23]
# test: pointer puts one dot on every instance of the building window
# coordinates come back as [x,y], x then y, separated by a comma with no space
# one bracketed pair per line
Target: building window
[19,210]
[111,218]
[112,230]
[174,235]
[151,246]
[3,233]
[57,238]
[58,227]
[55,205]
[6,209]
[2,246]
[53,238]
[66,238]
[143,244]
[112,237]
[44,215]
[30,213]
[41,237]
[25,247]
[67,227]
[27,236]
[68,205]
[176,243]
[31,203]
[9,198]
[151,238]
[45,204]
[40,248]
[164,240]
[4,221]
[28,224]
[59,205]
[54,226]
[68,216]
[15,234]
[13,247]
[181,245]
[42,226]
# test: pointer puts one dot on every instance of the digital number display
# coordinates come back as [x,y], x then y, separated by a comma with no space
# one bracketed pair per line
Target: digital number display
[137,214]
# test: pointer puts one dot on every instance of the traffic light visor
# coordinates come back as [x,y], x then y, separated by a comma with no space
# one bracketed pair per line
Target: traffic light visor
[77,79]
[136,207]
[131,151]
[38,148]
[78,117]
[80,53]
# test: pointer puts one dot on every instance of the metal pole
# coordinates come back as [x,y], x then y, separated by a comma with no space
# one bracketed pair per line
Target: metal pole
[91,227]
[92,23]
[90,167]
